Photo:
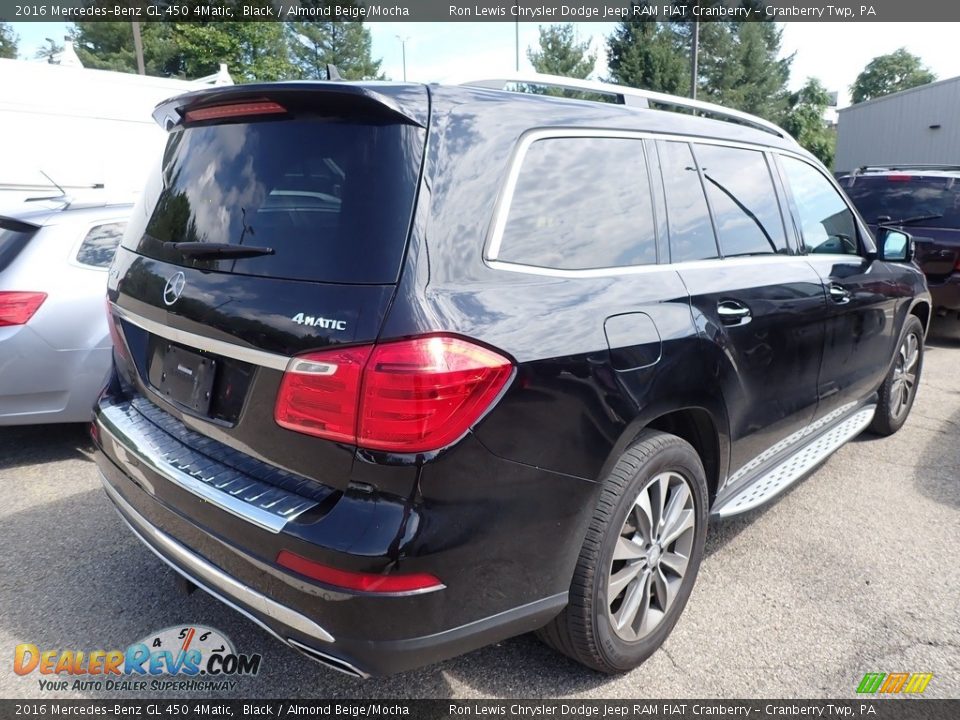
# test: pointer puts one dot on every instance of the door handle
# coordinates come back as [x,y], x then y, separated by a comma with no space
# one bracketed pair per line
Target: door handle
[839,294]
[732,312]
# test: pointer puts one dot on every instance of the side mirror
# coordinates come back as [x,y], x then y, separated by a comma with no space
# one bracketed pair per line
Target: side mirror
[895,245]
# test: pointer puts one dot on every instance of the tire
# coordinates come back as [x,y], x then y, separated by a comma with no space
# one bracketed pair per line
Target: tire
[657,465]
[899,388]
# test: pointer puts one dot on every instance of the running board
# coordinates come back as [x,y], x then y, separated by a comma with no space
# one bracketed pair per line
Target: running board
[773,482]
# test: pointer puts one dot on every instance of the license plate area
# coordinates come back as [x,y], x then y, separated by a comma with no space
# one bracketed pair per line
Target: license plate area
[183,377]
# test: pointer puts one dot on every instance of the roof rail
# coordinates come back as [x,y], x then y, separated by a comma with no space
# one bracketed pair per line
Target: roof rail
[906,166]
[634,97]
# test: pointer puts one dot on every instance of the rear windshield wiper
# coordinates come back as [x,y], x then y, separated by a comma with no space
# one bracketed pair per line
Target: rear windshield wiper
[906,221]
[207,250]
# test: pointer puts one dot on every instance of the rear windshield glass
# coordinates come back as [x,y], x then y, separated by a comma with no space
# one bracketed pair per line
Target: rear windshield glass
[902,197]
[14,237]
[331,199]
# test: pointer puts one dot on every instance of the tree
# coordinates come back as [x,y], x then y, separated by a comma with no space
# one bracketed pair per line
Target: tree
[8,41]
[649,55]
[314,45]
[560,53]
[49,51]
[253,51]
[804,120]
[109,46]
[885,74]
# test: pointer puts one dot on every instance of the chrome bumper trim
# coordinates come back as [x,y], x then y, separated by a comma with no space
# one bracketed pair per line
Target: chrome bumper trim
[209,576]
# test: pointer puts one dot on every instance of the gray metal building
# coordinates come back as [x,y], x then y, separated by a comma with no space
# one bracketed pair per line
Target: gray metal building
[920,125]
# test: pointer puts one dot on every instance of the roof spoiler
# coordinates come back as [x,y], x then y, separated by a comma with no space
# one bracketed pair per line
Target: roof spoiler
[339,95]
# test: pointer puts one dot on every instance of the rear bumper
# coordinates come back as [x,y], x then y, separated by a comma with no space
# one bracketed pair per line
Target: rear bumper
[359,633]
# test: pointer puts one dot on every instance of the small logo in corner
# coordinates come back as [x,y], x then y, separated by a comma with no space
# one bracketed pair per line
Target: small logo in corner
[174,288]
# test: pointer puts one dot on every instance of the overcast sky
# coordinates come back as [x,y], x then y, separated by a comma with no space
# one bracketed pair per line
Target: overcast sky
[833,52]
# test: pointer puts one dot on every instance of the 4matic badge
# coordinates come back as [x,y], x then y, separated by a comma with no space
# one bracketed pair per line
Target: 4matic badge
[312,321]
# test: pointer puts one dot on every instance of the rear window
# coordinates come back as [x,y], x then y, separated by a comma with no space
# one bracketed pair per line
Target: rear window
[100,244]
[332,199]
[581,203]
[899,197]
[14,237]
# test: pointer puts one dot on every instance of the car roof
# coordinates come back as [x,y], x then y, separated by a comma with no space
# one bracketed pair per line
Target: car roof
[947,171]
[44,211]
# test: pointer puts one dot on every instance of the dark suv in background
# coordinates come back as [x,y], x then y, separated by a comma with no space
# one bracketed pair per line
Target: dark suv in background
[924,200]
[402,370]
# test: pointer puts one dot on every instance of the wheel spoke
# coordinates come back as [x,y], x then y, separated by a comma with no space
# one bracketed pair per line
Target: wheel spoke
[638,595]
[682,524]
[664,588]
[627,549]
[675,561]
[644,515]
[658,488]
[621,579]
[674,509]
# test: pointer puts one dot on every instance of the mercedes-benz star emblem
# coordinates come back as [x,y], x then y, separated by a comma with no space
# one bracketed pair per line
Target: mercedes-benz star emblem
[174,287]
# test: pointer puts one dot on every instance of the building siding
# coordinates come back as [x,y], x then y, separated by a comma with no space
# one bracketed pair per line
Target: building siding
[896,128]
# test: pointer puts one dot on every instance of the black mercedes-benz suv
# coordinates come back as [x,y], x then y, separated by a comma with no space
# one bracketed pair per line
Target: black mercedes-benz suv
[403,370]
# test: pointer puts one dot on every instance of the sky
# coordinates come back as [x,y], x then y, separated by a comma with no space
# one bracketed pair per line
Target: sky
[445,52]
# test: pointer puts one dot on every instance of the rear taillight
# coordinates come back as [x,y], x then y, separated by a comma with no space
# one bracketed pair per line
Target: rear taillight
[407,396]
[16,308]
[234,110]
[365,582]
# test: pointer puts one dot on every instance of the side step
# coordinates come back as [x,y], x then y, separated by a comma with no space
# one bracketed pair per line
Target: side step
[774,481]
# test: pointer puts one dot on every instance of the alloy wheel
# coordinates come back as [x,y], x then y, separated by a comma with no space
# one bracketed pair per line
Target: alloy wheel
[651,556]
[904,375]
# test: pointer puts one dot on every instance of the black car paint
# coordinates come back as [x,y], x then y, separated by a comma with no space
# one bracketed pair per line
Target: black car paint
[599,358]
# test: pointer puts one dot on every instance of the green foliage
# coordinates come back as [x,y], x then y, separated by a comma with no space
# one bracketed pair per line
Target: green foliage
[885,74]
[650,55]
[804,120]
[109,46]
[253,51]
[559,53]
[347,45]
[8,41]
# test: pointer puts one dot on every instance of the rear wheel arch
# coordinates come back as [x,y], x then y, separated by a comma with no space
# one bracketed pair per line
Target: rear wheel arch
[922,310]
[696,425]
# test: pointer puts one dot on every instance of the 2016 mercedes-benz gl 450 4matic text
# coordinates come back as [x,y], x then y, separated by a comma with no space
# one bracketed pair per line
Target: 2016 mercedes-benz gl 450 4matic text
[403,370]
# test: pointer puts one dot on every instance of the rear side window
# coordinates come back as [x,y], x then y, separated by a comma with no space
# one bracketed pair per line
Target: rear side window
[743,200]
[100,244]
[581,203]
[331,198]
[826,222]
[14,236]
[927,201]
[691,233]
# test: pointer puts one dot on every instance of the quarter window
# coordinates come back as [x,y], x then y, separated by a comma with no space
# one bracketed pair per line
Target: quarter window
[743,200]
[826,222]
[100,244]
[581,203]
[691,234]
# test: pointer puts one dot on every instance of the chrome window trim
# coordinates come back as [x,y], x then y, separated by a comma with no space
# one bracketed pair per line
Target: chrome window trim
[200,342]
[501,212]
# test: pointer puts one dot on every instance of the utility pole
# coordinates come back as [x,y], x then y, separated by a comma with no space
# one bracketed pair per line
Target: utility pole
[138,48]
[403,47]
[695,49]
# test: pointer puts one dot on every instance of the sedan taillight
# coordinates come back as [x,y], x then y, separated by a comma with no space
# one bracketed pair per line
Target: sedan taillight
[16,308]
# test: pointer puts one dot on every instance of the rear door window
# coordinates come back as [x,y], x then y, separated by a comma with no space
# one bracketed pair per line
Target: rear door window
[691,232]
[100,244]
[581,203]
[743,200]
[332,199]
[926,201]
[14,236]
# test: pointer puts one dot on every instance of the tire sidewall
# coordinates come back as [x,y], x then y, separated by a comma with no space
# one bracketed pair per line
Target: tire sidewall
[912,324]
[617,652]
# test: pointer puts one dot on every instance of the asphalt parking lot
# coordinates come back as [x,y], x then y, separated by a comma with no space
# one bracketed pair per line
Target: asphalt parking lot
[855,570]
